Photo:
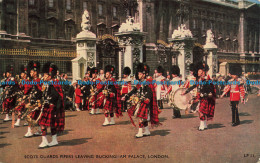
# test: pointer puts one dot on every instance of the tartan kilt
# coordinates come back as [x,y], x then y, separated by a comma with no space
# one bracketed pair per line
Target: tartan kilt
[207,108]
[109,105]
[143,111]
[8,104]
[131,110]
[35,114]
[20,107]
[99,102]
[47,119]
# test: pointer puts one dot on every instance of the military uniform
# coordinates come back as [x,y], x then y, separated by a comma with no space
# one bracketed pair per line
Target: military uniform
[237,92]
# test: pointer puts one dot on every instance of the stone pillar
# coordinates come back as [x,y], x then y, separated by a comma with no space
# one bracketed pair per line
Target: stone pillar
[211,48]
[224,68]
[212,61]
[185,56]
[86,49]
[131,39]
[120,64]
[183,42]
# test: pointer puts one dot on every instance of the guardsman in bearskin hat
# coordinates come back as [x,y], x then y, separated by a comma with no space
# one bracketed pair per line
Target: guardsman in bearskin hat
[111,92]
[189,83]
[175,72]
[10,87]
[52,113]
[159,86]
[237,90]
[126,88]
[34,91]
[96,99]
[24,88]
[206,95]
[146,108]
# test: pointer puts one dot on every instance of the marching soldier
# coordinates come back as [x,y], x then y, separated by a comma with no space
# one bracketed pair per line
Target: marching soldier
[159,86]
[126,88]
[85,90]
[10,87]
[52,110]
[111,93]
[147,108]
[96,99]
[206,95]
[24,88]
[173,87]
[35,94]
[237,92]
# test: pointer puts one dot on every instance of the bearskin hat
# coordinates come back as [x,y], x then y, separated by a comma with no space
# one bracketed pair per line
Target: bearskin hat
[160,69]
[109,68]
[88,69]
[34,65]
[23,69]
[200,66]
[235,70]
[126,71]
[175,70]
[9,68]
[50,68]
[192,67]
[143,68]
[94,70]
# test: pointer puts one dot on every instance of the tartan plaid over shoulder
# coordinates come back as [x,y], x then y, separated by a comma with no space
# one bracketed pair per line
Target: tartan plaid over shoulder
[60,116]
[118,99]
[154,110]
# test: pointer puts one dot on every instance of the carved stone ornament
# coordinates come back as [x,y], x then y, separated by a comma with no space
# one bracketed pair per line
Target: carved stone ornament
[210,40]
[81,44]
[130,25]
[130,39]
[85,24]
[182,32]
[90,57]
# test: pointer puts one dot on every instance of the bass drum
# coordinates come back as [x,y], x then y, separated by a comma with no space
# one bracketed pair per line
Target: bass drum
[180,101]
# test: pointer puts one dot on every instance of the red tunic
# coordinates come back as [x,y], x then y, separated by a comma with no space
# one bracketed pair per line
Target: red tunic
[78,98]
[235,91]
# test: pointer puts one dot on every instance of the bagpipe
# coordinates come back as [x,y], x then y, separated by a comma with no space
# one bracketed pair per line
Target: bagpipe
[30,109]
[32,104]
[136,100]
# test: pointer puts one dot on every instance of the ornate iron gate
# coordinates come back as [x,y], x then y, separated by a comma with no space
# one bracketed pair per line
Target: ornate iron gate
[18,57]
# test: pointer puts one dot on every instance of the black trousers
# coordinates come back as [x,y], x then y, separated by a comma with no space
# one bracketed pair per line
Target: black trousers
[176,112]
[234,109]
[160,104]
[123,106]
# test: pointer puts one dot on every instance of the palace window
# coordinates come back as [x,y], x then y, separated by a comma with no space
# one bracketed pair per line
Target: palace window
[52,31]
[34,29]
[203,25]
[194,24]
[31,2]
[51,3]
[100,10]
[85,5]
[114,12]
[68,4]
[69,32]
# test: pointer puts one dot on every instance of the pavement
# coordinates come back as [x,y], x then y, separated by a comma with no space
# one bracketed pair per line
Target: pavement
[176,141]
